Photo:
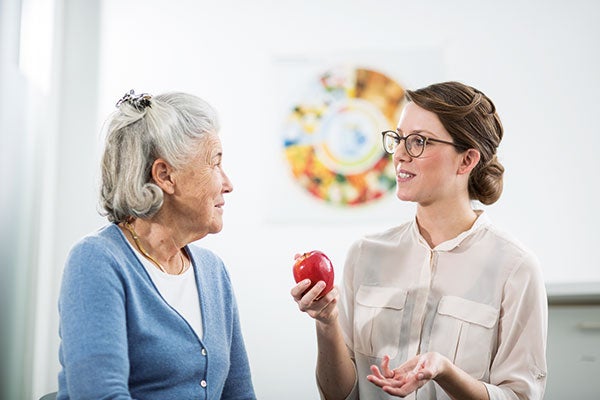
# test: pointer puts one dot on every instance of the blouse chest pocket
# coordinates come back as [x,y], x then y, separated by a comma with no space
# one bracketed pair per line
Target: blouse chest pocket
[377,320]
[464,331]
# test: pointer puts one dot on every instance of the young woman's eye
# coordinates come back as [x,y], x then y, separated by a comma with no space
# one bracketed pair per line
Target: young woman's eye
[417,141]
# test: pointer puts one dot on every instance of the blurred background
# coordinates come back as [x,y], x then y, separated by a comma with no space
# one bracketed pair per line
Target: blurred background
[64,64]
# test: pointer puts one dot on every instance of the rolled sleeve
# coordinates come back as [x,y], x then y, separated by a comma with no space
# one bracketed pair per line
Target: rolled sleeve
[519,368]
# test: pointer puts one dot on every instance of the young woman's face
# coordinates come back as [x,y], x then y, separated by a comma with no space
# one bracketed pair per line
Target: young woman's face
[201,186]
[432,176]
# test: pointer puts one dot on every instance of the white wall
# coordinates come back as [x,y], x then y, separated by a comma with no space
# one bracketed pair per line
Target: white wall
[538,60]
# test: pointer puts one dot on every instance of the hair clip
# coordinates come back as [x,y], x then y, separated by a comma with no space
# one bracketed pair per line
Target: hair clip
[139,101]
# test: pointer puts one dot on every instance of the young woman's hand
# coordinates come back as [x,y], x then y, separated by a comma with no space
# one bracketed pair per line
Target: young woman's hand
[408,377]
[323,309]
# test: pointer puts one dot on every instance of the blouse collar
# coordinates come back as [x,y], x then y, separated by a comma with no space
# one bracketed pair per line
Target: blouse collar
[450,244]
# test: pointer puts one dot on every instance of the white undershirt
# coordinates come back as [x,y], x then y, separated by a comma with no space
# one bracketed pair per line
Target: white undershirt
[179,291]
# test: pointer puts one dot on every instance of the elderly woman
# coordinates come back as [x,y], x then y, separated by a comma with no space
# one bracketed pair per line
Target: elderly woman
[143,314]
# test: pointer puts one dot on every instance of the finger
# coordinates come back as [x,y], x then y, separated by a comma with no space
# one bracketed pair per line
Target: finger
[402,387]
[385,367]
[297,255]
[398,392]
[378,380]
[329,296]
[408,384]
[299,289]
[423,369]
[316,290]
[425,374]
[307,300]
[381,381]
[422,363]
[376,372]
[327,312]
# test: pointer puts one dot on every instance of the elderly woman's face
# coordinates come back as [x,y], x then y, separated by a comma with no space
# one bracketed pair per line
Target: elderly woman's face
[200,188]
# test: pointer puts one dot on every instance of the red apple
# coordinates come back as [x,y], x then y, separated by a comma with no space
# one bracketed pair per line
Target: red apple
[316,266]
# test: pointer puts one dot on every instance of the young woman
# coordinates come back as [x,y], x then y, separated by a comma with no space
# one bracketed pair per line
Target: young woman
[456,305]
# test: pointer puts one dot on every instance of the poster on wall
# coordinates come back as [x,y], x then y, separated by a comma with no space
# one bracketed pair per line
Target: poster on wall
[330,136]
[327,163]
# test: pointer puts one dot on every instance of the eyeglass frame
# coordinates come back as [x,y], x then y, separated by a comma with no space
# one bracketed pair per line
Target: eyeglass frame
[418,133]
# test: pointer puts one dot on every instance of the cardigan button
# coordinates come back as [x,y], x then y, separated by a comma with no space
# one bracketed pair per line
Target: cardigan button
[203,352]
[203,383]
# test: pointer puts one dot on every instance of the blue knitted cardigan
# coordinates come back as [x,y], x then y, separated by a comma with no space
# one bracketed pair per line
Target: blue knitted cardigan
[121,340]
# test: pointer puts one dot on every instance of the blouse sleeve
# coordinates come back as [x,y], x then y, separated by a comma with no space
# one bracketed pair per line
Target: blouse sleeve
[346,303]
[93,350]
[518,370]
[346,311]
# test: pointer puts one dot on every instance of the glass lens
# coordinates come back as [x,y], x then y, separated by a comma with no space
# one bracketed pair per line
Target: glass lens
[390,142]
[415,144]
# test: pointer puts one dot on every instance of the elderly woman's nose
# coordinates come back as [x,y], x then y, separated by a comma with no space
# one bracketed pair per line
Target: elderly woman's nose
[227,185]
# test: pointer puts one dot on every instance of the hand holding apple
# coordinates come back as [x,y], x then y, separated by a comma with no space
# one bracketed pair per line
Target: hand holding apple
[316,266]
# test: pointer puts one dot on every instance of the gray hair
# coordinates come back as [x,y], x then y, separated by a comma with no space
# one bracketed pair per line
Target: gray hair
[169,127]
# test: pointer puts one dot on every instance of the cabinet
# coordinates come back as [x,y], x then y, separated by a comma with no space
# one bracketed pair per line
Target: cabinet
[573,342]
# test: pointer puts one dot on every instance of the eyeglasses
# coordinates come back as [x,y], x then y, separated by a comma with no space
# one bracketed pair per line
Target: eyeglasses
[414,143]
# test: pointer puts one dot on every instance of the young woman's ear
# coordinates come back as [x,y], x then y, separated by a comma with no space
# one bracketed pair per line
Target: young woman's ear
[470,159]
[162,174]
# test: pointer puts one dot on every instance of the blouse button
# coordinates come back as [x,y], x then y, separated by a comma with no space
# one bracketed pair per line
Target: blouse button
[203,383]
[203,352]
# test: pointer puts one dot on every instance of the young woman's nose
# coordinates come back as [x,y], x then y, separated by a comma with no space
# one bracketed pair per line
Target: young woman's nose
[401,155]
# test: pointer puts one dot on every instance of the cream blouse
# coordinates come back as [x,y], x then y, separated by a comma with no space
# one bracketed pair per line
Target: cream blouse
[478,299]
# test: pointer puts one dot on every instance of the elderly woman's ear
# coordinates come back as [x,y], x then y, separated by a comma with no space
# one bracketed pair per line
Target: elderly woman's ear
[162,174]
